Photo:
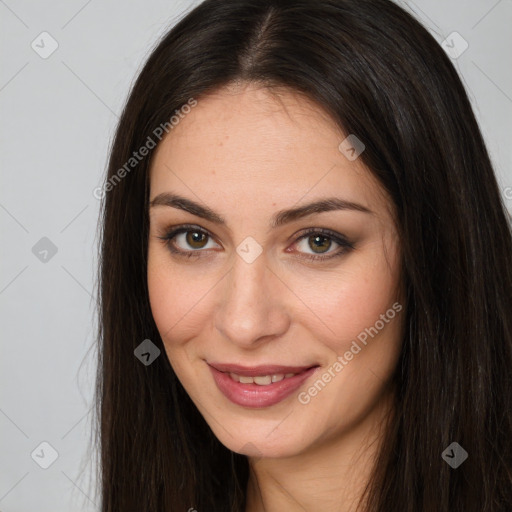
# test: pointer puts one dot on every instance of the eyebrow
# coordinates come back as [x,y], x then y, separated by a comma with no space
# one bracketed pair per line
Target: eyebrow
[280,218]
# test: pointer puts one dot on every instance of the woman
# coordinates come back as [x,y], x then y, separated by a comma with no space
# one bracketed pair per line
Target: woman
[305,272]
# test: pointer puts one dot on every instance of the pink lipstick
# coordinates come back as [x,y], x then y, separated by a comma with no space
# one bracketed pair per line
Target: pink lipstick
[259,386]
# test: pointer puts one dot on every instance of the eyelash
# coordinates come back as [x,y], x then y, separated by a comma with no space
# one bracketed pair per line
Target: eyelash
[344,244]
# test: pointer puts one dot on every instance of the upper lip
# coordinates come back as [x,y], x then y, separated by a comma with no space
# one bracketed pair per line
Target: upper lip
[255,371]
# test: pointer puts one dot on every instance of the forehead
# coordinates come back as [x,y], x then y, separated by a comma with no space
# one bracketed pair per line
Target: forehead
[279,145]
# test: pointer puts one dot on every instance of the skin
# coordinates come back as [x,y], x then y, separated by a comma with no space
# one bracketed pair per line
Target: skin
[247,153]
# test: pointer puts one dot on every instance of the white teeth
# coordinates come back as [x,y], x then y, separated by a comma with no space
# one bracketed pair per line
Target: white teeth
[261,380]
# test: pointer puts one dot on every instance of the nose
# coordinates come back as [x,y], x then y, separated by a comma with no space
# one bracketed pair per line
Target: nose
[252,308]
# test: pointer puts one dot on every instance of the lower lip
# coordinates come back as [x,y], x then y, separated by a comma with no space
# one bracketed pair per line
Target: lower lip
[256,396]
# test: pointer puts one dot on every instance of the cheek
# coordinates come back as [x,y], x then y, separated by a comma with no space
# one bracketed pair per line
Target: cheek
[363,314]
[354,300]
[169,309]
[178,297]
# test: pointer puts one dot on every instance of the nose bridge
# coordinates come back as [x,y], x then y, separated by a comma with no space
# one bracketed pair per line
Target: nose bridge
[249,310]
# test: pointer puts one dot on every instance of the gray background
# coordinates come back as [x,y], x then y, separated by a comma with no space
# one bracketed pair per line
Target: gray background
[58,117]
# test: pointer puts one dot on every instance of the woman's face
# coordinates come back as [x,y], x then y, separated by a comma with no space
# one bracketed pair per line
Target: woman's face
[238,289]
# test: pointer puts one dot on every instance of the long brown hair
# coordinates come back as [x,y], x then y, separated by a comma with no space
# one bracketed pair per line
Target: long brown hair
[383,77]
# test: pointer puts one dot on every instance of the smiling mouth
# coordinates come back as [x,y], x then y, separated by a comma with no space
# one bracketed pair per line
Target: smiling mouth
[259,386]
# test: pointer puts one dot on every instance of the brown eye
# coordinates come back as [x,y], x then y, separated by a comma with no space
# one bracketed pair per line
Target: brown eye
[187,241]
[196,239]
[319,241]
